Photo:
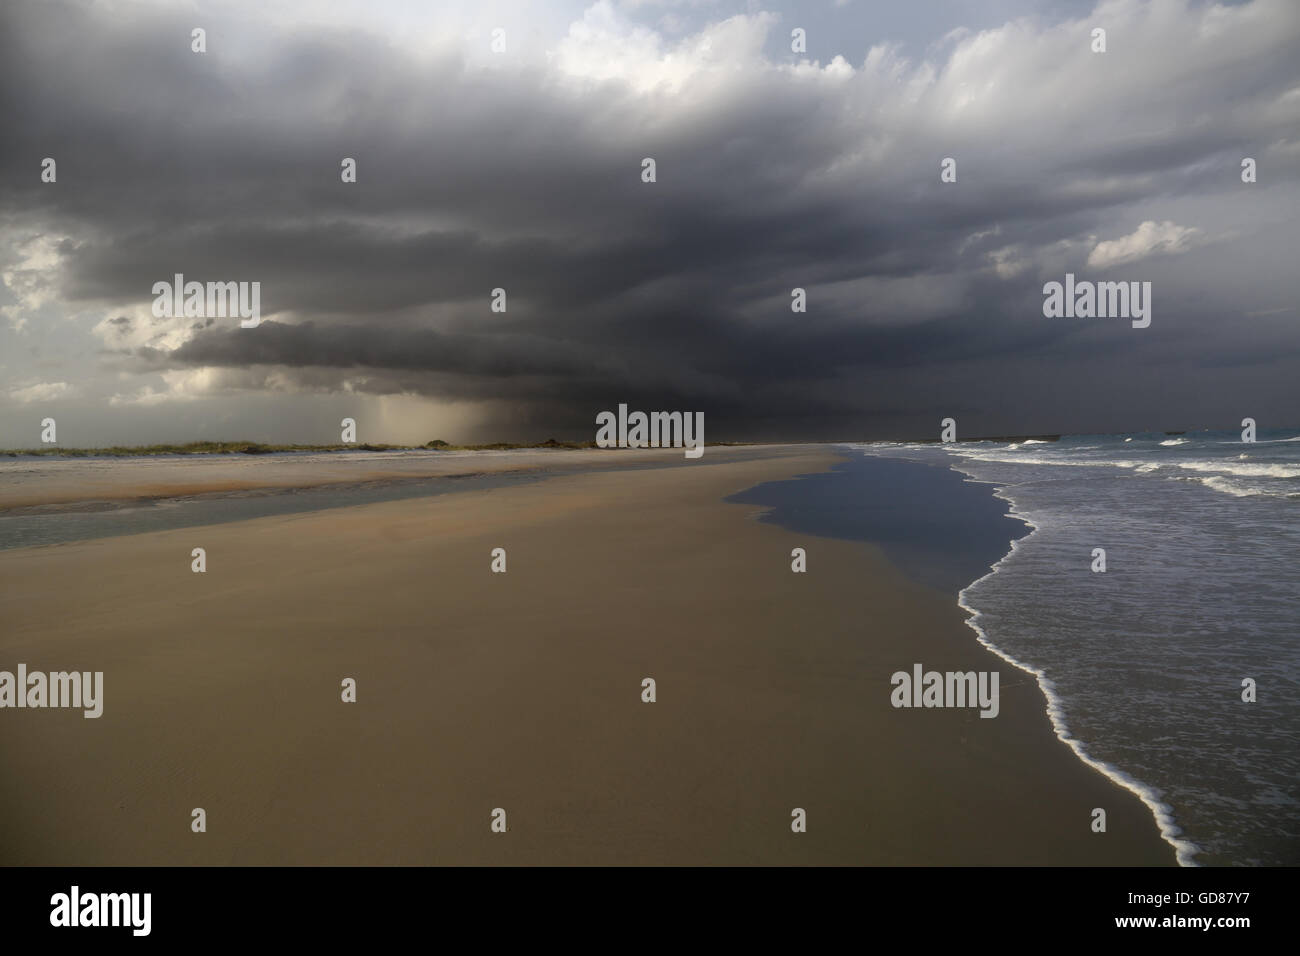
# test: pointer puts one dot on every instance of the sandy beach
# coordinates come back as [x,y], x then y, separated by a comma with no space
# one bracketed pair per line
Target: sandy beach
[523,691]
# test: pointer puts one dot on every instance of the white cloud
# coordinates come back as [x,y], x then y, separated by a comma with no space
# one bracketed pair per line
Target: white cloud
[1150,238]
[604,45]
[1009,261]
[142,328]
[33,281]
[145,395]
[186,385]
[977,237]
[42,392]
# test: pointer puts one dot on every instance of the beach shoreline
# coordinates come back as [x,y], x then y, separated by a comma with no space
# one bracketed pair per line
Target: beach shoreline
[523,691]
[47,484]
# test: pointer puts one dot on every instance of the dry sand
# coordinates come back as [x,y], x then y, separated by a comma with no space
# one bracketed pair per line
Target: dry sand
[523,691]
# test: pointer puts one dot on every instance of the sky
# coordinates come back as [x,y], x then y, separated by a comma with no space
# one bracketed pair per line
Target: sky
[514,160]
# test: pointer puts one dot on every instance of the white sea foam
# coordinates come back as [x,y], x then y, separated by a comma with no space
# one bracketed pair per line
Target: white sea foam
[1227,486]
[1184,850]
[1222,467]
[1244,489]
[993,456]
[1264,441]
[1236,468]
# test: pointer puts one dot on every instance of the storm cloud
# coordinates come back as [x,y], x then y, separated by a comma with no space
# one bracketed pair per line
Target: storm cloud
[522,170]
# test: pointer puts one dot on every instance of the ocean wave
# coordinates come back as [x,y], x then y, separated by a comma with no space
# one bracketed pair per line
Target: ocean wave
[1016,445]
[993,456]
[1174,441]
[1263,441]
[1247,471]
[1242,489]
[1228,486]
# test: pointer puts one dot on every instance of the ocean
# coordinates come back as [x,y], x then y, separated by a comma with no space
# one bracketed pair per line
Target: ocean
[1143,664]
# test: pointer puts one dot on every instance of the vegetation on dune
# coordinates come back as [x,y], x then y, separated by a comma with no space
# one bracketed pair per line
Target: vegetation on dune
[258,448]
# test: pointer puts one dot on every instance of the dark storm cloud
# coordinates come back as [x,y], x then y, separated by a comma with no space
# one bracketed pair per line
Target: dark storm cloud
[225,166]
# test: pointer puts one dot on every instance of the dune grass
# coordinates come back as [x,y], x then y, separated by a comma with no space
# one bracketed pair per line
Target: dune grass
[258,448]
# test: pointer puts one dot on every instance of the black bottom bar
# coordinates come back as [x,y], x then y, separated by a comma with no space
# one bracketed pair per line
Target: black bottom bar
[770,905]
